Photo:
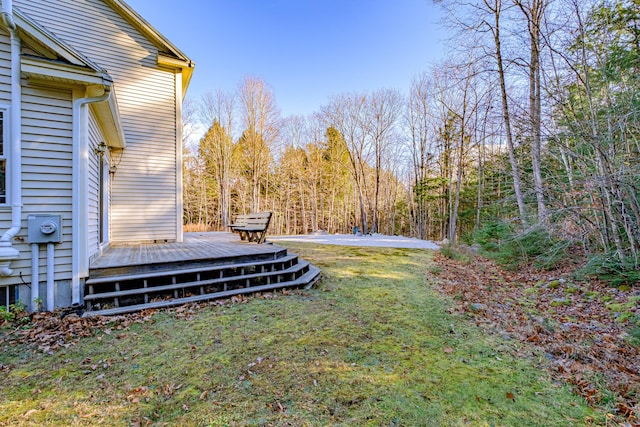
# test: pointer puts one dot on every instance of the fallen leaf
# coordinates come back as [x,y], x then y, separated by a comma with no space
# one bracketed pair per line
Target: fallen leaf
[584,330]
[29,413]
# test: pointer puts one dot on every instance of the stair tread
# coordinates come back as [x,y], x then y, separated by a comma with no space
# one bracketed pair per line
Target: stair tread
[124,277]
[308,279]
[298,266]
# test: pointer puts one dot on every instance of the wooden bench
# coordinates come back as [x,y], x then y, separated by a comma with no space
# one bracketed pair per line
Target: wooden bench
[252,227]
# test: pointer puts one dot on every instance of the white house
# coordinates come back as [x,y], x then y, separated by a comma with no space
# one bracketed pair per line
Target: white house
[90,119]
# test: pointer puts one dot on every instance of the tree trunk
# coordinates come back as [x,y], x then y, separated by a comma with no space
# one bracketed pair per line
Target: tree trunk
[515,170]
[534,14]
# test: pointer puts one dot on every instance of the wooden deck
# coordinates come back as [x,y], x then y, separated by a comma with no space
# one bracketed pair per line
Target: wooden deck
[196,246]
[204,266]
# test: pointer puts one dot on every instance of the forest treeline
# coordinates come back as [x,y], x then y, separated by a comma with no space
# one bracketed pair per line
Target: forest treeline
[526,139]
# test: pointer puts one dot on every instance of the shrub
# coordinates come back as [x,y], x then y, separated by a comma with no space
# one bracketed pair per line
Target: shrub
[493,235]
[6,315]
[634,334]
[610,268]
[450,251]
[17,312]
[500,241]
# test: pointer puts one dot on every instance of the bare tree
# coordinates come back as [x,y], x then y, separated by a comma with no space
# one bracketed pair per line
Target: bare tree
[347,114]
[193,176]
[421,146]
[217,147]
[382,115]
[495,7]
[260,118]
[475,19]
[593,91]
[458,94]
[534,12]
[339,186]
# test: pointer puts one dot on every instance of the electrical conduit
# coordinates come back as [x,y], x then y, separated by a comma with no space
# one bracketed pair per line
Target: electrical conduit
[35,276]
[50,277]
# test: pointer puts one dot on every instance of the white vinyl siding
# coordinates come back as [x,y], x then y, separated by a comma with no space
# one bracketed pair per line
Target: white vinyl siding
[95,138]
[46,171]
[4,154]
[5,101]
[144,188]
[5,68]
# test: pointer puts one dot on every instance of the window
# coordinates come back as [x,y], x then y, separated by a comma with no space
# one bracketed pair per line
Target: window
[7,297]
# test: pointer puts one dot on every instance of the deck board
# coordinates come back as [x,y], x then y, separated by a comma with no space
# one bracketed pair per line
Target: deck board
[196,246]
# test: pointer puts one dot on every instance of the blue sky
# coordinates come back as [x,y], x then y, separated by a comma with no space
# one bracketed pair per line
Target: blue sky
[307,50]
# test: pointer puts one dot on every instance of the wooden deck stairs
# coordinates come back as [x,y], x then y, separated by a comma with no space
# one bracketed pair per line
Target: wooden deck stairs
[125,289]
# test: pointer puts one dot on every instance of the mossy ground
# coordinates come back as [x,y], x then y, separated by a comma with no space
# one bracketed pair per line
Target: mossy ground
[371,345]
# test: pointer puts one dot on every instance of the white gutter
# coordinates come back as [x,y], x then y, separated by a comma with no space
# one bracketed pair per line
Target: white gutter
[80,218]
[7,252]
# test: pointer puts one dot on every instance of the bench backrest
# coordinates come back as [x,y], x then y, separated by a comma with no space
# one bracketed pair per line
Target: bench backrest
[256,219]
[240,220]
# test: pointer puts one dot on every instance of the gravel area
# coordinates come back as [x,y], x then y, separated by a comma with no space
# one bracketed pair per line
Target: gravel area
[378,240]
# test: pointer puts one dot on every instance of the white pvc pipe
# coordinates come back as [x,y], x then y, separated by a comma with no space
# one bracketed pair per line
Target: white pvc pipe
[7,252]
[50,277]
[80,194]
[35,276]
[7,7]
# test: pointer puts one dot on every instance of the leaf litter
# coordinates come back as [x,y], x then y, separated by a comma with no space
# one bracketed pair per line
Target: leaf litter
[51,331]
[570,324]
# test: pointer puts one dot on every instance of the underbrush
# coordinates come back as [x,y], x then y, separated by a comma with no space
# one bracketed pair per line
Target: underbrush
[455,253]
[589,331]
[611,269]
[15,314]
[502,243]
[197,227]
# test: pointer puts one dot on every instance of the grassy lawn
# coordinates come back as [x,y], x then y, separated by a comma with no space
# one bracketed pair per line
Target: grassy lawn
[371,345]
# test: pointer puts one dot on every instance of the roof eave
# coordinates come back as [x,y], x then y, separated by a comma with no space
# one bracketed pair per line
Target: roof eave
[186,67]
[56,73]
[154,35]
[53,43]
[109,117]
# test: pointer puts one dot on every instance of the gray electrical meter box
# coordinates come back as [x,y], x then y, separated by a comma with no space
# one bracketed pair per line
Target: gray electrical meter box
[44,229]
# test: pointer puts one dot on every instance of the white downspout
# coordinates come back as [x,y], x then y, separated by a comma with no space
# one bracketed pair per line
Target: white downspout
[7,252]
[80,220]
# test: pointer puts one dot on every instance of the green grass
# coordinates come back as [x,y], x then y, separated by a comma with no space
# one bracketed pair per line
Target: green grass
[371,345]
